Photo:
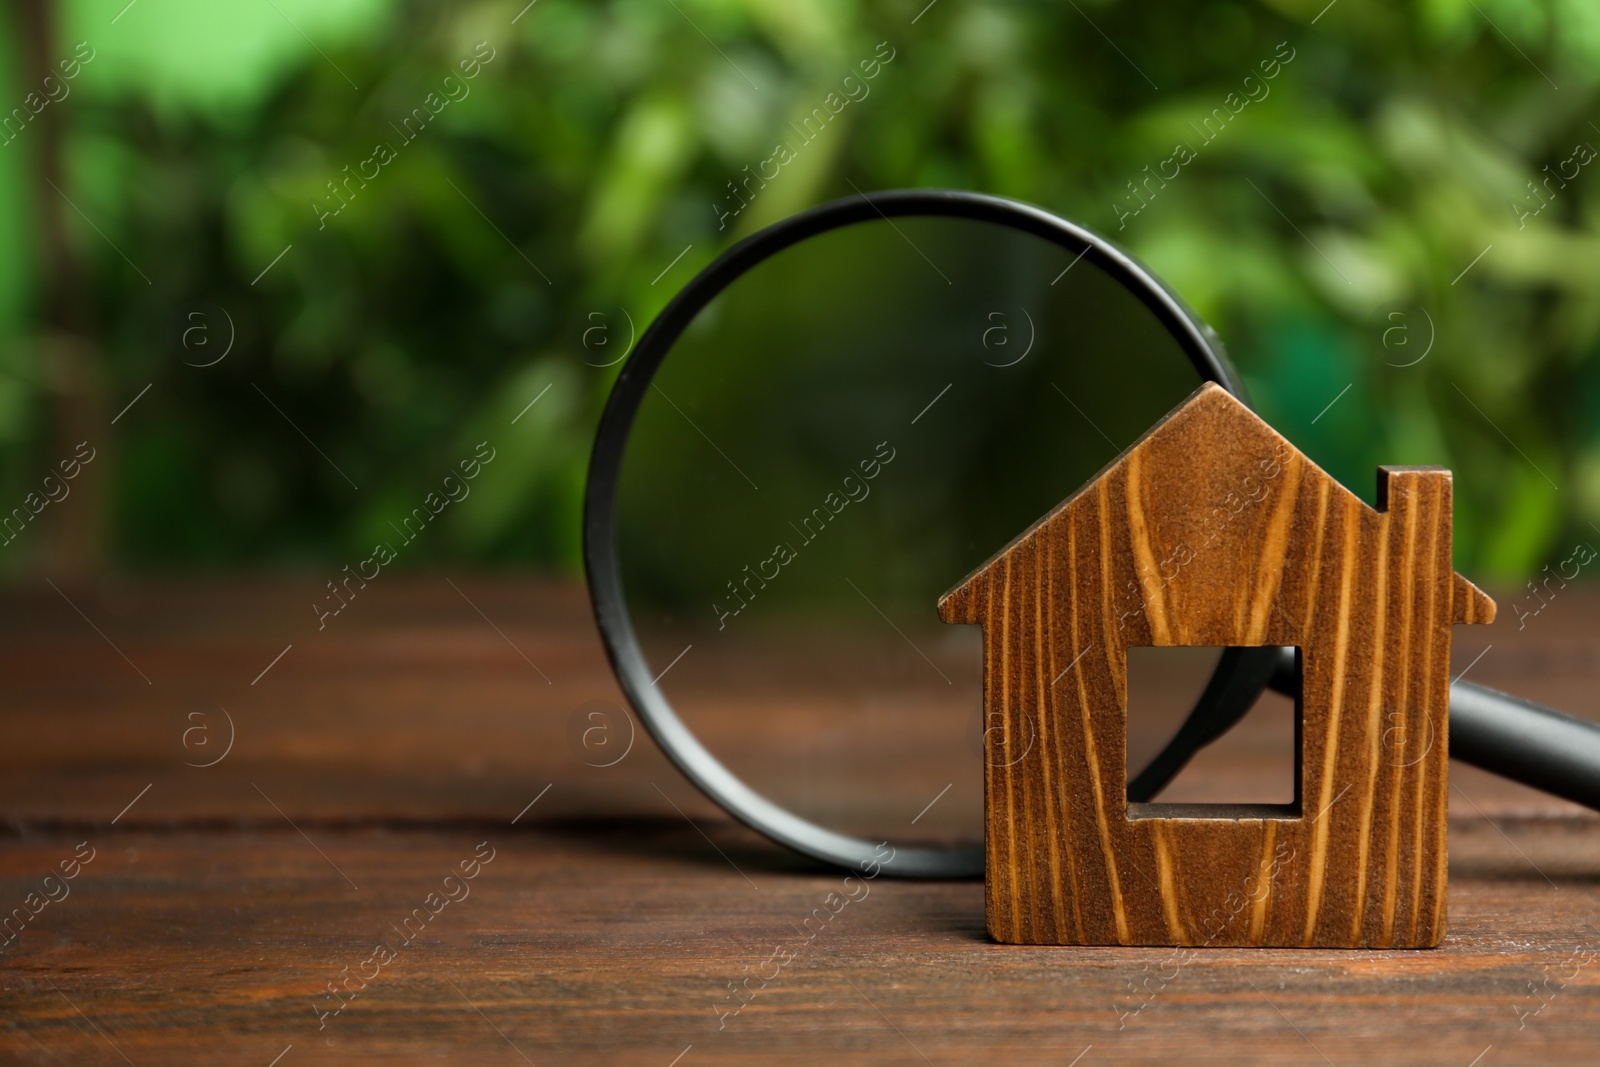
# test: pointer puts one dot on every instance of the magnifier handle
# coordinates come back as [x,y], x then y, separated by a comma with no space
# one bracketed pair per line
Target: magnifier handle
[1512,737]
[1526,742]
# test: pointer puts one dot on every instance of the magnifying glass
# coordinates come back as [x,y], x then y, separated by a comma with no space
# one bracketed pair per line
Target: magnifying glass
[824,431]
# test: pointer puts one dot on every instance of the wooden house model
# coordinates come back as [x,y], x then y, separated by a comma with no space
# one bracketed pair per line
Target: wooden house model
[1212,530]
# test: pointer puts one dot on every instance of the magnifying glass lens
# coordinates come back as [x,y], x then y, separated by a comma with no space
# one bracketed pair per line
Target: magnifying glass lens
[841,435]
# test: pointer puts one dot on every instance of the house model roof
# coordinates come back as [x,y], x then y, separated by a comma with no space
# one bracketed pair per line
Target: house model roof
[1164,473]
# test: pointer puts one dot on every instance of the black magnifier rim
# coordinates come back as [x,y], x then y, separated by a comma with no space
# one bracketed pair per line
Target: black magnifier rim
[1199,343]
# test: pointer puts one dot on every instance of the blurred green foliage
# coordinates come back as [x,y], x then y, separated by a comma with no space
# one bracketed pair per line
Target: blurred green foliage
[1324,232]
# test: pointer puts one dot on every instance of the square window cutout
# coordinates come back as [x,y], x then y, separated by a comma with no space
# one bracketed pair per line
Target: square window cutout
[1251,771]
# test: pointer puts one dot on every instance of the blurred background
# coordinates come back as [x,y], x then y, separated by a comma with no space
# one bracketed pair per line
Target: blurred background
[1397,220]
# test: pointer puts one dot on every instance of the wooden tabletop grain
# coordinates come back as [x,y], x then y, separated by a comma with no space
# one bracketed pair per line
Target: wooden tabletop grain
[411,853]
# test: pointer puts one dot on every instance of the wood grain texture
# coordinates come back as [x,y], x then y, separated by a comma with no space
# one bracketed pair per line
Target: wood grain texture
[1213,530]
[613,942]
[607,928]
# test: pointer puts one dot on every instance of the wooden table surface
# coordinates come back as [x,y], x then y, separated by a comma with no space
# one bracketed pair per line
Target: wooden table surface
[606,921]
